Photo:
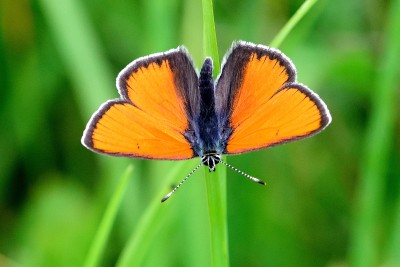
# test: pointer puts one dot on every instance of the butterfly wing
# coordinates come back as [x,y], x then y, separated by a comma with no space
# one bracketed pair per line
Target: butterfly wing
[159,98]
[259,100]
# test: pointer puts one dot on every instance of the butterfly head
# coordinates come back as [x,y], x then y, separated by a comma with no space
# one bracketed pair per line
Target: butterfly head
[210,160]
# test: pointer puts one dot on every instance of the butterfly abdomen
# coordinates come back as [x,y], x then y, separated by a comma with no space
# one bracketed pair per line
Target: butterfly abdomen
[206,88]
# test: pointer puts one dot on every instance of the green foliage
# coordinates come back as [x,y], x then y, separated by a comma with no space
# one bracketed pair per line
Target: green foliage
[333,199]
[104,228]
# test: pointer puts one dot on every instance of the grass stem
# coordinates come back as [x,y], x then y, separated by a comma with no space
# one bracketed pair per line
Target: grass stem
[292,22]
[99,242]
[215,181]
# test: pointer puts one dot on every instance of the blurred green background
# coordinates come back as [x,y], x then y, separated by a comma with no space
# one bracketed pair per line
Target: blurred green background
[332,200]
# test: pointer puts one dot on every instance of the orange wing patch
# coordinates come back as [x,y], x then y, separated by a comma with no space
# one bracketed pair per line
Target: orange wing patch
[125,130]
[152,89]
[262,77]
[292,113]
[151,118]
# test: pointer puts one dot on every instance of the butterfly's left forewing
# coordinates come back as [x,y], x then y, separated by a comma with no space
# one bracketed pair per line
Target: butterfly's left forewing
[159,98]
[259,100]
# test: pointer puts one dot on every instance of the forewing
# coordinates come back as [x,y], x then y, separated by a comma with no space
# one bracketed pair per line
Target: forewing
[260,102]
[159,98]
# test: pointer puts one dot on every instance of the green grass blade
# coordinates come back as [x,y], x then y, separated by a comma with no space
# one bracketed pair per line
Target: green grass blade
[209,35]
[365,244]
[284,32]
[149,224]
[99,242]
[215,181]
[216,196]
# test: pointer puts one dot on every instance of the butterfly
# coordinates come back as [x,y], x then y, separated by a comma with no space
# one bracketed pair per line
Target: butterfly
[168,111]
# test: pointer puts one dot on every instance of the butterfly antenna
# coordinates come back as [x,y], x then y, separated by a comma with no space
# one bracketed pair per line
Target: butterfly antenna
[254,179]
[184,180]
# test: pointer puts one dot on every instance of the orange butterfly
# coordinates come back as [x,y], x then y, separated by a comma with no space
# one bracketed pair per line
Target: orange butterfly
[168,111]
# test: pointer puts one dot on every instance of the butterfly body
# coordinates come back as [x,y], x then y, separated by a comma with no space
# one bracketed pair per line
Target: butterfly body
[168,111]
[206,137]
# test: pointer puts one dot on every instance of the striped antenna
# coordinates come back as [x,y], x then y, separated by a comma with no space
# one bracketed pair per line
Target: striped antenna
[254,179]
[184,180]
